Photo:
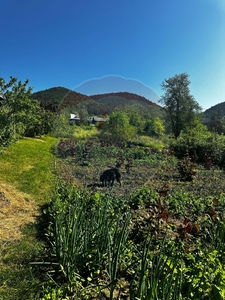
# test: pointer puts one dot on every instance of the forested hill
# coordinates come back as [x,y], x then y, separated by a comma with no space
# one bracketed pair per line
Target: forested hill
[124,95]
[57,98]
[216,109]
[51,98]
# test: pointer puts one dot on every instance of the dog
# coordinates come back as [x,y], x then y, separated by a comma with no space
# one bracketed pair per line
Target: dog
[108,177]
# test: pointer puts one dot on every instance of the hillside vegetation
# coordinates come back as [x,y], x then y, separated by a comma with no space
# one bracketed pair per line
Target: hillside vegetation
[51,98]
[218,108]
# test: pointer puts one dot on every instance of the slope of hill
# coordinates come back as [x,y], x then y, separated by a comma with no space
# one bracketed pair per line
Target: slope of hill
[110,101]
[51,98]
[58,98]
[71,99]
[124,95]
[216,109]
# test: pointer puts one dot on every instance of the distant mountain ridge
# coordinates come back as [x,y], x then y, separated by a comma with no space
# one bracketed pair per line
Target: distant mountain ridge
[57,98]
[125,95]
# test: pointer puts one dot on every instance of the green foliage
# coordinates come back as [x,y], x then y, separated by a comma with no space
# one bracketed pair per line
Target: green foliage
[91,234]
[214,116]
[187,168]
[154,127]
[85,132]
[147,141]
[216,122]
[143,197]
[197,131]
[135,112]
[38,122]
[205,148]
[136,242]
[86,229]
[20,116]
[51,98]
[6,128]
[61,127]
[204,275]
[180,104]
[160,274]
[118,127]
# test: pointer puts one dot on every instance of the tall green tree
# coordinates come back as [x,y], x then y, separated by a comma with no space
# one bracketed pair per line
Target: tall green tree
[180,104]
[118,127]
[19,114]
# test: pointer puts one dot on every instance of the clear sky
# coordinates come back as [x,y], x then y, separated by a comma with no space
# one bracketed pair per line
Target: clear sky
[71,43]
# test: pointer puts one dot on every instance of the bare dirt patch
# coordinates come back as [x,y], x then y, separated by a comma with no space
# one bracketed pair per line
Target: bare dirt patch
[16,210]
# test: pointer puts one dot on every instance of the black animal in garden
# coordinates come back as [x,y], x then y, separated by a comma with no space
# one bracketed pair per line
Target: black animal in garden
[108,177]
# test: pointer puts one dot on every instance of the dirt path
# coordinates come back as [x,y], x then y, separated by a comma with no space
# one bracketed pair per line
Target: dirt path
[16,210]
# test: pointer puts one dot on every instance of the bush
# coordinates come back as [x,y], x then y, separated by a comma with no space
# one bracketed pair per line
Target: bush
[186,168]
[118,127]
[143,197]
[61,127]
[154,127]
[209,151]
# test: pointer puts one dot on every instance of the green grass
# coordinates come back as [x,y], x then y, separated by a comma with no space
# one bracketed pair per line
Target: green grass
[148,141]
[27,165]
[17,280]
[84,132]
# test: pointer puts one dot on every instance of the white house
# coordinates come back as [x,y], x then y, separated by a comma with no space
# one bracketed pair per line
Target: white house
[74,119]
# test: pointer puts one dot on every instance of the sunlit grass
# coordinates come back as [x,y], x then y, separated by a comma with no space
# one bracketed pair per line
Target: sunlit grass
[84,132]
[148,141]
[26,179]
[27,165]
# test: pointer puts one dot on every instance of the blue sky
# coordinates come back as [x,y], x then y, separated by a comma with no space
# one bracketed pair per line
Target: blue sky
[71,43]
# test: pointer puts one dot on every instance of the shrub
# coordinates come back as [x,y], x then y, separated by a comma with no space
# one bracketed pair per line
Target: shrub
[207,151]
[186,168]
[142,197]
[61,127]
[118,127]
[154,127]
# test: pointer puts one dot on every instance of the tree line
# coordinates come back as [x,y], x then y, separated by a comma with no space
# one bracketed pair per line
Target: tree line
[21,115]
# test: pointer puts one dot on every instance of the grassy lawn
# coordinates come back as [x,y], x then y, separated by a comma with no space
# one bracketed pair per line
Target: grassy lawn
[27,165]
[26,179]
